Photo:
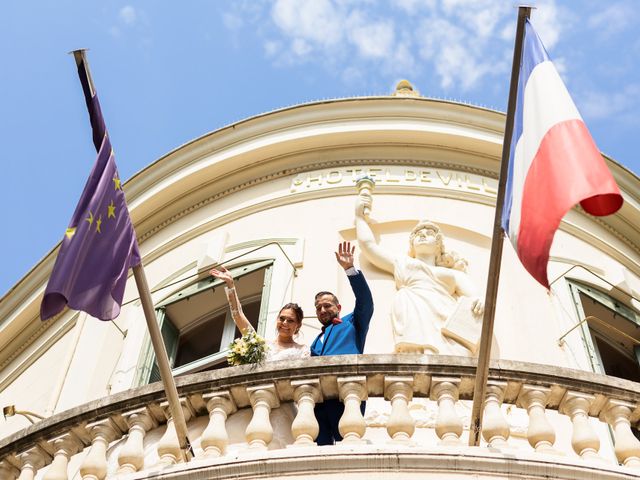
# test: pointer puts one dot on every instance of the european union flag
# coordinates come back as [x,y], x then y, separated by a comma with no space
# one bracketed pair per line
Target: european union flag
[99,247]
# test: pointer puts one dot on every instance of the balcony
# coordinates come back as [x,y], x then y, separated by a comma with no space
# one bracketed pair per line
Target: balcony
[539,422]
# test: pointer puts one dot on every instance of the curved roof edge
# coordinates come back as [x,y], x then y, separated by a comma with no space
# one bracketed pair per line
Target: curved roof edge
[473,116]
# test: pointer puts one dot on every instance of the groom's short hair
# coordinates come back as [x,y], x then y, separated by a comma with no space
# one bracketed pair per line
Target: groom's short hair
[333,297]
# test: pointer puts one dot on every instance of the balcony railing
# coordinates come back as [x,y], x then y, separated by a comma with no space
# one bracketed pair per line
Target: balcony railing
[114,435]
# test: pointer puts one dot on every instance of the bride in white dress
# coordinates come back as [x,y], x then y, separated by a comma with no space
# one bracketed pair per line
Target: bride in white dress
[284,347]
[288,323]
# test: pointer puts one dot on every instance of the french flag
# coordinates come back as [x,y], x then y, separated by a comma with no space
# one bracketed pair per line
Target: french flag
[553,165]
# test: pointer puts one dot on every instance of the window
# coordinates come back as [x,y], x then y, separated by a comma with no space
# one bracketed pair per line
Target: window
[196,323]
[611,332]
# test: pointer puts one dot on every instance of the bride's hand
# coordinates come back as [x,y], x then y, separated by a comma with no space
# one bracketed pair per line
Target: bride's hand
[224,275]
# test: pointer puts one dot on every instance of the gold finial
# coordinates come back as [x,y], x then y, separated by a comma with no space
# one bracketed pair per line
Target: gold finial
[405,89]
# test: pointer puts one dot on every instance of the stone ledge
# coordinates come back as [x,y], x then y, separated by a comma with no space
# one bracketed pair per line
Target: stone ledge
[374,366]
[393,462]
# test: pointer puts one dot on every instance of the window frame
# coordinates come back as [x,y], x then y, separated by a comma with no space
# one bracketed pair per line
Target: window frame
[201,284]
[576,288]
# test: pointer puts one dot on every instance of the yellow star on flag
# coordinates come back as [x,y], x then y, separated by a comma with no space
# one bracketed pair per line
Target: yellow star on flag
[111,210]
[116,183]
[70,232]
[98,222]
[90,218]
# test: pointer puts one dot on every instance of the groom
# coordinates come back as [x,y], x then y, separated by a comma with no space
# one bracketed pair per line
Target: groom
[340,336]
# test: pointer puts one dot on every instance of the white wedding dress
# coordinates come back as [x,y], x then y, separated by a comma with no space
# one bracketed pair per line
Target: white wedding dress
[276,353]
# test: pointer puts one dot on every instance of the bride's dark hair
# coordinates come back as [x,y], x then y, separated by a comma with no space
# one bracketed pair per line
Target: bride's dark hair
[296,310]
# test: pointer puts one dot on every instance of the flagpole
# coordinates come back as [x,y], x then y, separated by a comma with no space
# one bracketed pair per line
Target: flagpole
[163,362]
[486,336]
[152,323]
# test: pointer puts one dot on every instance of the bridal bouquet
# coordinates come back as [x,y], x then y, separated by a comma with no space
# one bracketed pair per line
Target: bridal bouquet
[250,348]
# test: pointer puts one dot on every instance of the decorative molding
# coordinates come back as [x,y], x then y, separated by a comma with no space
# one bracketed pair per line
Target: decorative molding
[258,243]
[307,168]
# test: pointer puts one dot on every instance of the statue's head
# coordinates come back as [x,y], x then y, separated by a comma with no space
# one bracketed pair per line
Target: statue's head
[431,227]
[449,259]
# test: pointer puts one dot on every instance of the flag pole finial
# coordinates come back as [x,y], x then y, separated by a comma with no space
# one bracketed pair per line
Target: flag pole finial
[80,56]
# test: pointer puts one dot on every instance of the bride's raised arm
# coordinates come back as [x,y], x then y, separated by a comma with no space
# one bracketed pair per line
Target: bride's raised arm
[241,321]
[377,255]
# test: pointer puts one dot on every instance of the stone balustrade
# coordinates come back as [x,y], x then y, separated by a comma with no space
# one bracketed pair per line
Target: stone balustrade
[113,435]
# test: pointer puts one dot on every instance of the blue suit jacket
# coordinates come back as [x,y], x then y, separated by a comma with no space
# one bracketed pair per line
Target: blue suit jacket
[349,336]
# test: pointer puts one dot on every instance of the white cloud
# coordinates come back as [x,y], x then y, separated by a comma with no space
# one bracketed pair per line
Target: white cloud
[375,39]
[547,20]
[607,105]
[271,48]
[300,47]
[561,66]
[132,24]
[413,6]
[232,22]
[315,21]
[460,42]
[128,15]
[613,19]
[457,55]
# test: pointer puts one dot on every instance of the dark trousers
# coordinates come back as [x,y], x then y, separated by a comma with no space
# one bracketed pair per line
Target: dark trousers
[328,414]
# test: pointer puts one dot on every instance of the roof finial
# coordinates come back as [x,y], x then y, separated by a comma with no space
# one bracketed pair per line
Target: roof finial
[405,89]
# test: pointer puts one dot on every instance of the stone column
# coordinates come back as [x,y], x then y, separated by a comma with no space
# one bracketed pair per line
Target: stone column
[617,413]
[399,391]
[540,434]
[168,446]
[495,428]
[444,390]
[31,461]
[259,432]
[214,439]
[94,466]
[131,456]
[584,440]
[305,428]
[64,447]
[352,391]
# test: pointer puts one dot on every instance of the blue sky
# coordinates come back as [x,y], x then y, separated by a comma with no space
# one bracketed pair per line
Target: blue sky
[168,72]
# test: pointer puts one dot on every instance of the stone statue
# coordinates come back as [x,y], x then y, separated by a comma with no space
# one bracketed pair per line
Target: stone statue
[434,309]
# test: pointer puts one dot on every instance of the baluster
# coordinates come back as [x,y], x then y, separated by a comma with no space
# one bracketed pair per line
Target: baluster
[259,432]
[94,466]
[64,447]
[495,428]
[399,391]
[352,391]
[448,424]
[627,448]
[214,439]
[540,434]
[305,427]
[8,471]
[168,447]
[131,456]
[31,461]
[584,440]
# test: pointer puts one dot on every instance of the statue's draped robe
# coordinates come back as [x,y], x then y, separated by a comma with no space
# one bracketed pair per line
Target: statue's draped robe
[420,309]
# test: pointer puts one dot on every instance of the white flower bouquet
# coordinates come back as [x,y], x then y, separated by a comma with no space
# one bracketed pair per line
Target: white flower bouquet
[248,349]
